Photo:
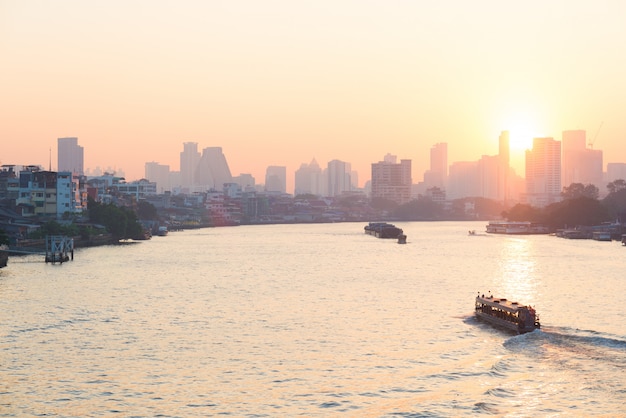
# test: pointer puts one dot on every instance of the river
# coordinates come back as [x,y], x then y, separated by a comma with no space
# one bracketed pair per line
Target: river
[314,320]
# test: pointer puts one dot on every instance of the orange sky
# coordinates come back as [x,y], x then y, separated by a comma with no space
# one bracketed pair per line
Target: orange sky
[281,82]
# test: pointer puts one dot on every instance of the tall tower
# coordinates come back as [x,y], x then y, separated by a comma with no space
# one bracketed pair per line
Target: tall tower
[189,159]
[543,172]
[338,176]
[437,176]
[70,156]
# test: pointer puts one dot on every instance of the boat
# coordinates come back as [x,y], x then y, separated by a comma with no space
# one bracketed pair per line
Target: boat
[162,231]
[471,232]
[383,230]
[516,228]
[601,236]
[506,314]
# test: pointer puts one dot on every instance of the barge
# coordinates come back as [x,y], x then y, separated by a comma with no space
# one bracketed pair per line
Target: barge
[506,314]
[383,230]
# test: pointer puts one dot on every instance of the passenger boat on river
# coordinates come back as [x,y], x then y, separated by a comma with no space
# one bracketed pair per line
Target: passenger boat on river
[506,314]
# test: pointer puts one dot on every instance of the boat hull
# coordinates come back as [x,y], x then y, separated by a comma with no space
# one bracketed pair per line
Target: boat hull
[501,323]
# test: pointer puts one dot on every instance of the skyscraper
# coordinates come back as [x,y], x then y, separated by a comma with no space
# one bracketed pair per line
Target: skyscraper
[543,172]
[580,164]
[276,179]
[70,156]
[392,181]
[437,176]
[159,174]
[212,171]
[308,179]
[338,177]
[189,159]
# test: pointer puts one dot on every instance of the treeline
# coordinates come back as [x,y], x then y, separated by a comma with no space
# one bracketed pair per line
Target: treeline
[119,221]
[580,206]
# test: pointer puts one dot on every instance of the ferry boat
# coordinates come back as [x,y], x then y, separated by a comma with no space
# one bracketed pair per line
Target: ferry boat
[507,314]
[516,228]
[383,230]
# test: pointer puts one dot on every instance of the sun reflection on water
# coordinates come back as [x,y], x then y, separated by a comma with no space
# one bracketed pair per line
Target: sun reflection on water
[516,270]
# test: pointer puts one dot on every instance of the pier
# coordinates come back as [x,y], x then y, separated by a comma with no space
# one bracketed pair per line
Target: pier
[59,249]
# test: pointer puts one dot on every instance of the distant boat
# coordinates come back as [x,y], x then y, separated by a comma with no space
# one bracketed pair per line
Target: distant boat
[162,231]
[383,230]
[506,314]
[516,228]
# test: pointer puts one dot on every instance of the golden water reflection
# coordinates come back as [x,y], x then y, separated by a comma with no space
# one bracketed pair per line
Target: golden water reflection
[516,273]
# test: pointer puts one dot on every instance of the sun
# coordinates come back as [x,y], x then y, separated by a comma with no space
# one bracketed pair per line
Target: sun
[522,129]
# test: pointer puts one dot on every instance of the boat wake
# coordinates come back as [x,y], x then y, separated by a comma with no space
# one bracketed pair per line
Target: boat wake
[565,342]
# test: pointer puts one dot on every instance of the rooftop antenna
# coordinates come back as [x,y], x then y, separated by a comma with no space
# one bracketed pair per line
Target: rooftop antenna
[50,160]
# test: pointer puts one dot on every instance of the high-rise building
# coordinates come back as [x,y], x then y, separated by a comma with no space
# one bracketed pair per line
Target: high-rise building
[212,171]
[338,178]
[189,159]
[392,181]
[70,156]
[159,174]
[437,175]
[615,171]
[276,179]
[308,179]
[543,172]
[580,164]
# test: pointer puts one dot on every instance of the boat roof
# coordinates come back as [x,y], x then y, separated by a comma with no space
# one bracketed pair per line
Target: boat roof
[502,303]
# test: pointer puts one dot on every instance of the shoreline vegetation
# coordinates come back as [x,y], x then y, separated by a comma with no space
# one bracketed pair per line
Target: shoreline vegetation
[110,224]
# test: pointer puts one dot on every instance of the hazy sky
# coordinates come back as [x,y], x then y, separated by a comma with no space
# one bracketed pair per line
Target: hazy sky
[282,82]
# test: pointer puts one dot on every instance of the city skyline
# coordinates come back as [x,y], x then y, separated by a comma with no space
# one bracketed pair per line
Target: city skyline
[280,83]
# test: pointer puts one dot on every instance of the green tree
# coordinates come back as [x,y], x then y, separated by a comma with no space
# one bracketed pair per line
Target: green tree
[582,211]
[576,190]
[523,212]
[616,186]
[146,210]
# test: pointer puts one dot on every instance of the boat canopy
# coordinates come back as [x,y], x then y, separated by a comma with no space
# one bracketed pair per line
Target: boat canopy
[501,303]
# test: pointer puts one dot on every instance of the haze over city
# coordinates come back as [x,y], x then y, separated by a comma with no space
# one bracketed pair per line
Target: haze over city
[280,82]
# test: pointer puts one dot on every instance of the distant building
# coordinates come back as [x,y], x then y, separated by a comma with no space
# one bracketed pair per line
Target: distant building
[543,172]
[392,181]
[276,179]
[70,156]
[615,171]
[212,171]
[579,163]
[309,179]
[159,174]
[189,159]
[338,178]
[245,181]
[437,176]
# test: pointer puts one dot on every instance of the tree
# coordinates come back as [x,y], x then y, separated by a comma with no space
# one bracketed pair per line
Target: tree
[575,212]
[576,190]
[615,203]
[146,210]
[616,186]
[121,222]
[523,212]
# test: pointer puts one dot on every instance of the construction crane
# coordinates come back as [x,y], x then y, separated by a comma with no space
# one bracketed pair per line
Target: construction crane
[590,144]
